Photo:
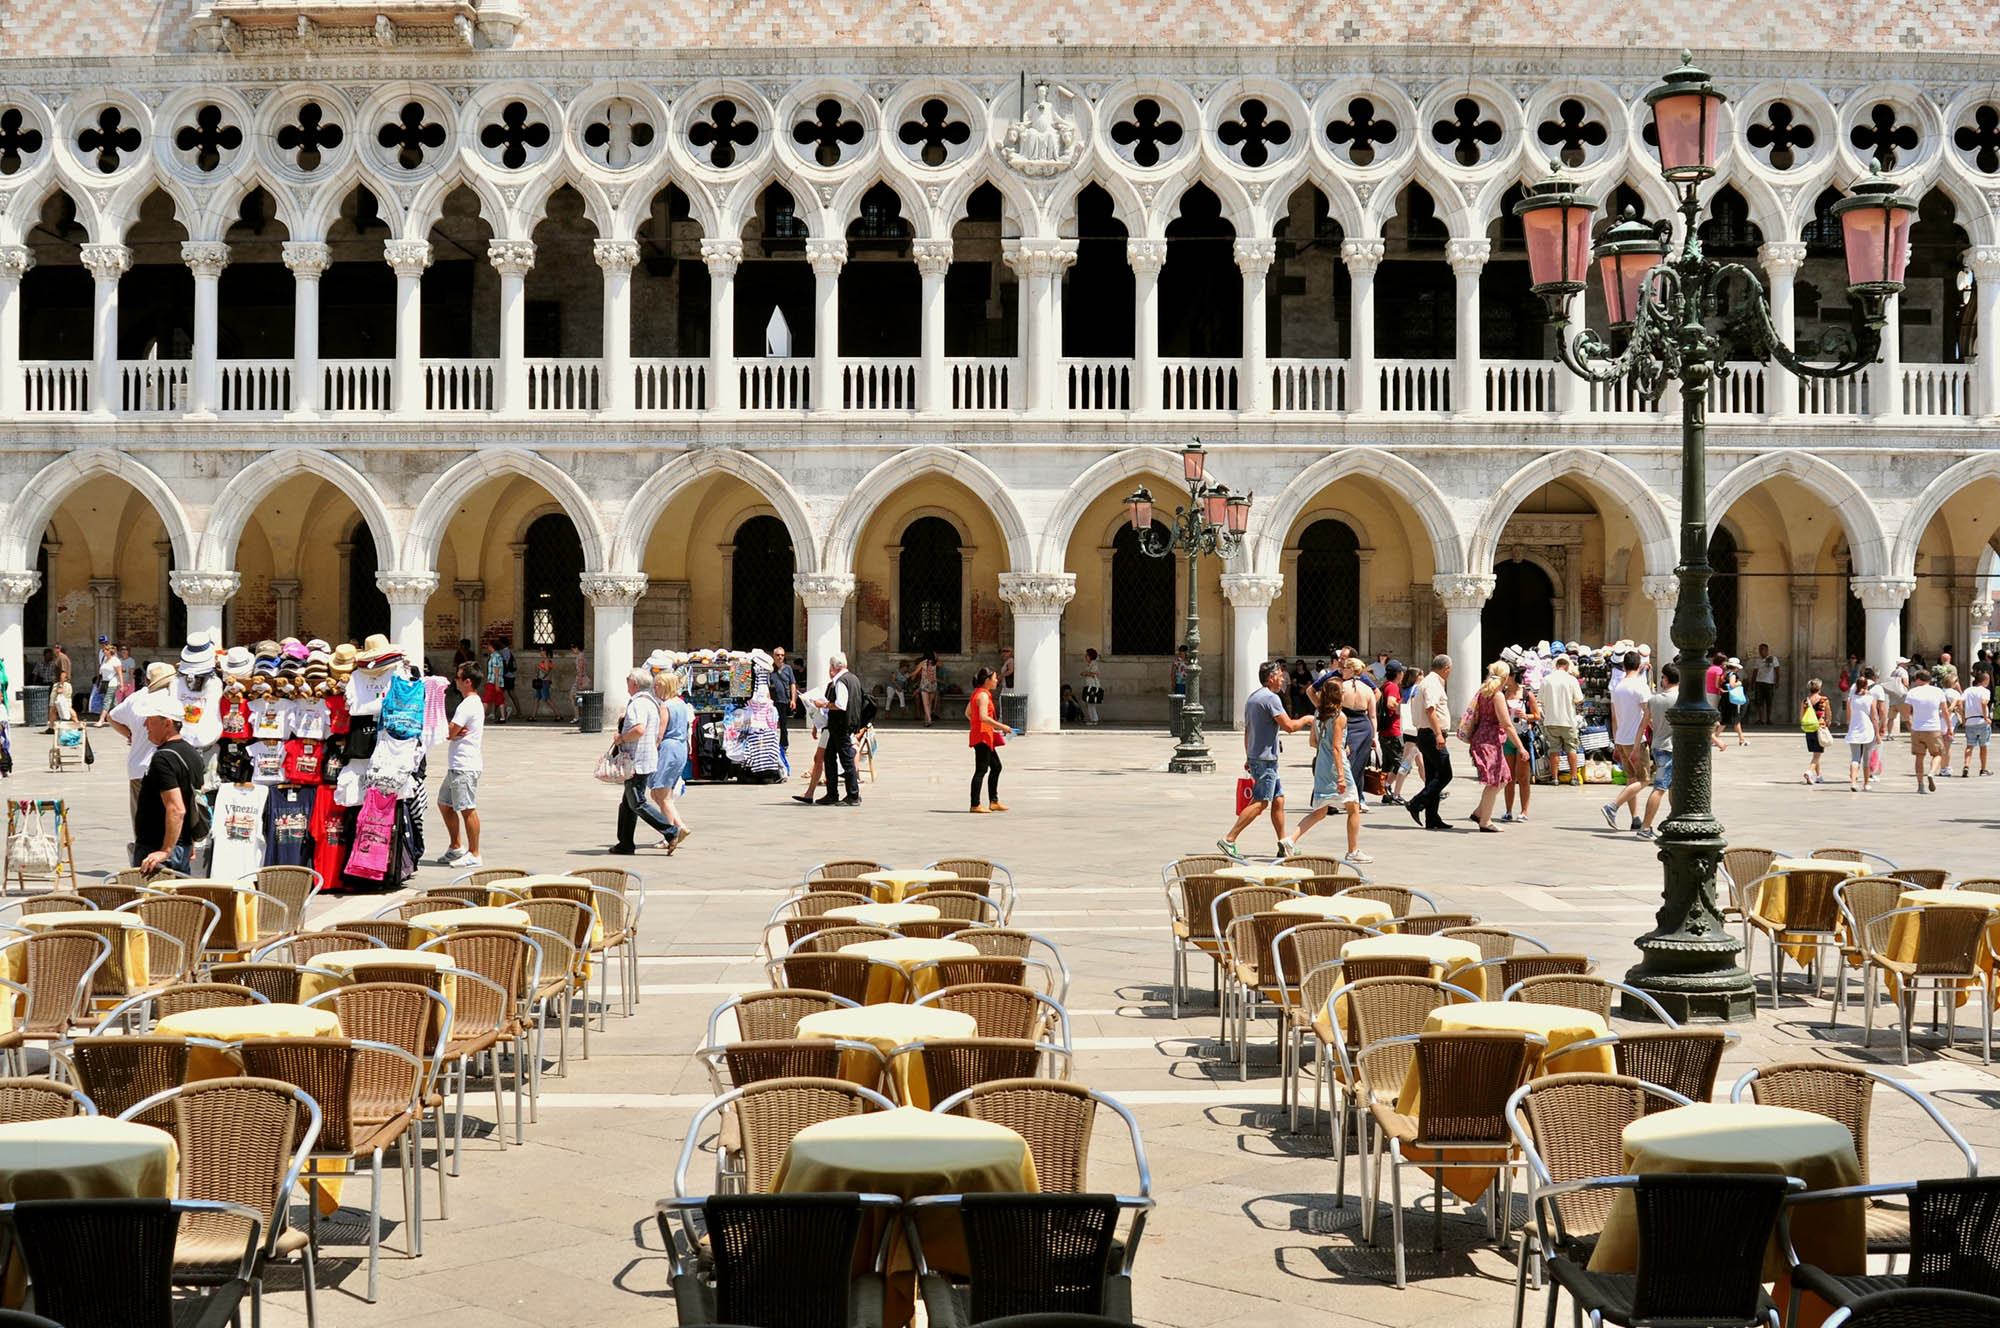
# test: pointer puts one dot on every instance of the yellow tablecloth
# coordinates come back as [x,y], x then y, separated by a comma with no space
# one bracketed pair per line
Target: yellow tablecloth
[908,951]
[83,1157]
[517,887]
[893,882]
[887,1027]
[131,953]
[1558,1023]
[1454,961]
[241,1023]
[426,926]
[1265,873]
[1771,903]
[353,965]
[1903,932]
[884,915]
[1337,908]
[1743,1136]
[246,904]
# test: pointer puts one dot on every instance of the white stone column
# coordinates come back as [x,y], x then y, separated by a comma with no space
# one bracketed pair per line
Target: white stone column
[723,257]
[408,259]
[613,596]
[1972,611]
[1250,596]
[1613,598]
[308,261]
[104,608]
[1147,257]
[1882,600]
[1984,261]
[1464,595]
[206,259]
[1665,592]
[513,260]
[1253,260]
[204,594]
[16,589]
[1037,600]
[825,595]
[1363,258]
[15,262]
[107,263]
[827,257]
[1040,264]
[617,258]
[1468,379]
[1782,260]
[409,595]
[285,606]
[471,594]
[933,386]
[1885,401]
[1792,678]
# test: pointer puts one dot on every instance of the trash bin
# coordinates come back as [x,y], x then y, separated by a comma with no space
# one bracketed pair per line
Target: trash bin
[35,706]
[590,712]
[1174,701]
[1014,710]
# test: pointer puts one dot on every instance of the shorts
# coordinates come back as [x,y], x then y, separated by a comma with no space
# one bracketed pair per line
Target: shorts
[460,790]
[1926,742]
[1663,769]
[1978,732]
[1813,744]
[1264,785]
[1561,738]
[541,689]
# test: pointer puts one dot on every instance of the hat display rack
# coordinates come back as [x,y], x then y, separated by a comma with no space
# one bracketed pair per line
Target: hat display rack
[735,732]
[1598,669]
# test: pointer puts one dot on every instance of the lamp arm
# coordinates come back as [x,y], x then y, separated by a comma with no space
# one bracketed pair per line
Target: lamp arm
[1748,316]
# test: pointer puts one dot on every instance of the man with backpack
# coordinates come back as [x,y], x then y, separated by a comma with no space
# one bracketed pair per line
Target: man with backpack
[170,818]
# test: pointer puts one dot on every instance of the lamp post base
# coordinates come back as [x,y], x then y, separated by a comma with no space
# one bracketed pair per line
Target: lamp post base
[1191,763]
[1712,996]
[1691,962]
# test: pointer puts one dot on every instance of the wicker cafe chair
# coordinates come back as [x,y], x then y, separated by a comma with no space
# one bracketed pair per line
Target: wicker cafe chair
[961,905]
[941,929]
[121,1072]
[169,960]
[275,981]
[1862,899]
[498,972]
[113,895]
[226,938]
[839,885]
[180,999]
[1430,924]
[1003,1011]
[59,969]
[1230,956]
[1056,1118]
[1702,1239]
[134,876]
[776,1260]
[1986,885]
[1191,910]
[1684,1060]
[1954,1238]
[394,933]
[1400,899]
[842,975]
[1254,976]
[843,869]
[54,901]
[1581,992]
[766,1016]
[1922,878]
[740,1064]
[1022,945]
[817,905]
[294,887]
[1916,1307]
[305,946]
[486,879]
[41,1099]
[1740,869]
[1851,855]
[1951,943]
[415,1019]
[1030,1254]
[416,908]
[189,920]
[1569,1128]
[1515,969]
[1324,868]
[982,876]
[1363,967]
[1297,951]
[829,940]
[767,1115]
[471,895]
[1493,942]
[109,1263]
[952,1065]
[1013,970]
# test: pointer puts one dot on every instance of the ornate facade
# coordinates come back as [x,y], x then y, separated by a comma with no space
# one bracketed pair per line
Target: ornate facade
[457,320]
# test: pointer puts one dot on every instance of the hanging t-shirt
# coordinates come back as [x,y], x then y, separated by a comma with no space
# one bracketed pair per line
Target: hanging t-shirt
[288,827]
[201,710]
[309,719]
[267,762]
[329,834]
[236,719]
[267,719]
[365,692]
[237,836]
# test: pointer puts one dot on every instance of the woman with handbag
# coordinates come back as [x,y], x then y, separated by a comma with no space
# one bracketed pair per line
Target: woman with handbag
[1336,785]
[1525,711]
[985,739]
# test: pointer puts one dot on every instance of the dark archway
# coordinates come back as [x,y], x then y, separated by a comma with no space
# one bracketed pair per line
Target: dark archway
[931,576]
[1097,289]
[760,591]
[552,583]
[1723,589]
[1142,596]
[1523,608]
[1328,586]
[1201,288]
[35,626]
[367,606]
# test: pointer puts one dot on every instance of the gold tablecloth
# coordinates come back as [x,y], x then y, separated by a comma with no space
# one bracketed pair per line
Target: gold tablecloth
[887,1027]
[83,1157]
[892,883]
[427,926]
[1337,908]
[1771,903]
[883,915]
[1264,873]
[1454,961]
[241,1023]
[907,951]
[353,965]
[131,953]
[246,904]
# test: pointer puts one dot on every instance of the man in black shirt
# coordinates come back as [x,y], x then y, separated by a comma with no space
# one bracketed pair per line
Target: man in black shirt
[784,695]
[164,824]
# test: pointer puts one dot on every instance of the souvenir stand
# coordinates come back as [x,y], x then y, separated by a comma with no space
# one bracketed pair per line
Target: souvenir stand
[735,733]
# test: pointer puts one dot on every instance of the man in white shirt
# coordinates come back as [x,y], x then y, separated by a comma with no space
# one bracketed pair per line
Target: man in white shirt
[1923,706]
[1432,711]
[639,736]
[458,796]
[126,718]
[1628,723]
[1561,694]
[1766,680]
[843,707]
[1978,711]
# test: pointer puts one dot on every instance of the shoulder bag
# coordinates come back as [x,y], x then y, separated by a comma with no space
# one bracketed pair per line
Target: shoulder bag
[32,851]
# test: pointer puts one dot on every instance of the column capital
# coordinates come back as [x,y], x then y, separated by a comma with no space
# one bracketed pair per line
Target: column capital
[933,256]
[307,258]
[406,588]
[1147,257]
[107,262]
[471,592]
[1363,256]
[1883,592]
[1804,593]
[1984,260]
[408,257]
[205,258]
[1037,594]
[207,590]
[722,256]
[1252,590]
[1664,590]
[823,590]
[616,255]
[1038,258]
[1613,596]
[511,258]
[1782,256]
[15,261]
[18,587]
[103,585]
[614,590]
[1467,257]
[1461,591]
[285,588]
[1255,256]
[827,257]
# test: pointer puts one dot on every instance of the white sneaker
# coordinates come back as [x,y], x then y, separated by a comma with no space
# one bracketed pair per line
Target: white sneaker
[1357,859]
[451,857]
[467,861]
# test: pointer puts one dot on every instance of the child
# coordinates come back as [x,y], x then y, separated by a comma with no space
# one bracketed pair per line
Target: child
[1072,710]
[1815,718]
[1093,688]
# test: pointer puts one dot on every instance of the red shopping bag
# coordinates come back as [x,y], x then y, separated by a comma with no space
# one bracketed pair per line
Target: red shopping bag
[1245,788]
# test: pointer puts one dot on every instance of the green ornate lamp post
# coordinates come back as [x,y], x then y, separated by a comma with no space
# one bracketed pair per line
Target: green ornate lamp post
[1679,313]
[1212,523]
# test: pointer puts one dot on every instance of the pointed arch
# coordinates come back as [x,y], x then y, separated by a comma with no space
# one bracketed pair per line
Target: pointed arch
[1237,209]
[1126,205]
[1919,515]
[426,208]
[845,207]
[29,514]
[746,196]
[122,212]
[1866,540]
[441,500]
[531,209]
[1269,524]
[643,512]
[880,483]
[1618,481]
[1017,203]
[1133,463]
[248,488]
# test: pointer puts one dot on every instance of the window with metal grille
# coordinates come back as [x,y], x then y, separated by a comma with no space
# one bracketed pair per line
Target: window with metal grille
[1327,589]
[760,592]
[932,578]
[552,581]
[367,606]
[1142,596]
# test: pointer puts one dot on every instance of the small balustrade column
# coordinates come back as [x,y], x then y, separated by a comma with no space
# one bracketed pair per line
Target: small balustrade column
[204,594]
[722,257]
[206,259]
[1569,394]
[1363,259]
[1464,596]
[16,589]
[1882,600]
[1147,257]
[1253,260]
[933,262]
[827,258]
[1250,596]
[1984,261]
[1782,261]
[408,259]
[308,261]
[15,262]
[1468,383]
[513,260]
[613,596]
[825,595]
[107,263]
[617,258]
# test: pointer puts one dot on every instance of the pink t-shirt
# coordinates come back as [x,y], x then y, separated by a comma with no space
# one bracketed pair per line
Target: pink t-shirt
[1712,681]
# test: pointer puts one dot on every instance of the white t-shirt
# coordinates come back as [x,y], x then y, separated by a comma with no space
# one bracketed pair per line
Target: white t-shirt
[1560,694]
[141,756]
[1978,704]
[1926,705]
[642,712]
[1953,699]
[237,831]
[467,751]
[1430,696]
[1861,714]
[1767,668]
[108,673]
[1628,709]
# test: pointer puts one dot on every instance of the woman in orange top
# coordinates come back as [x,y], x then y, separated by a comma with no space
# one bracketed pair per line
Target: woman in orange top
[986,738]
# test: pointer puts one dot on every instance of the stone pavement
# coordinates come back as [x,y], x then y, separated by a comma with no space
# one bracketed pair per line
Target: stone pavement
[560,1232]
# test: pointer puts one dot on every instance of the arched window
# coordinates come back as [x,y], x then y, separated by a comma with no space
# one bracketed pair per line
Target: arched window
[552,583]
[1722,589]
[367,606]
[932,576]
[1328,589]
[1142,596]
[760,592]
[1523,609]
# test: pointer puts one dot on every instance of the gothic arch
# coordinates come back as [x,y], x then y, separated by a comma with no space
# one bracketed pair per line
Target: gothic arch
[844,209]
[427,208]
[1135,463]
[532,208]
[1270,526]
[1868,543]
[642,513]
[1618,482]
[880,483]
[249,486]
[28,515]
[1126,205]
[1919,515]
[441,500]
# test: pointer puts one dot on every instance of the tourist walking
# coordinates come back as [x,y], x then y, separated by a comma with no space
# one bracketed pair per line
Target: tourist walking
[1954,707]
[842,706]
[1560,697]
[104,685]
[1357,707]
[639,736]
[1924,707]
[1660,735]
[543,684]
[494,693]
[1488,730]
[169,819]
[1977,708]
[1264,718]
[1407,719]
[1815,718]
[784,697]
[1894,688]
[927,686]
[1735,701]
[1093,686]
[1389,730]
[128,677]
[458,796]
[670,770]
[1628,724]
[1434,729]
[1335,785]
[985,739]
[1865,704]
[62,692]
[1523,710]
[1765,679]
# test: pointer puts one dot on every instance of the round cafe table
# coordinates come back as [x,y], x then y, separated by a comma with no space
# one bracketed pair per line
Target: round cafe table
[131,954]
[426,926]
[892,883]
[1337,908]
[1904,931]
[887,1027]
[519,887]
[242,1023]
[907,952]
[83,1157]
[345,966]
[1453,960]
[1264,873]
[884,915]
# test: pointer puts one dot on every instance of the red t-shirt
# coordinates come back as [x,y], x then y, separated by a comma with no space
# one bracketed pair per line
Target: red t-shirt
[1394,693]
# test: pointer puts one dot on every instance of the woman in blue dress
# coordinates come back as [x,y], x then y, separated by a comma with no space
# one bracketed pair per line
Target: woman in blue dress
[676,729]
